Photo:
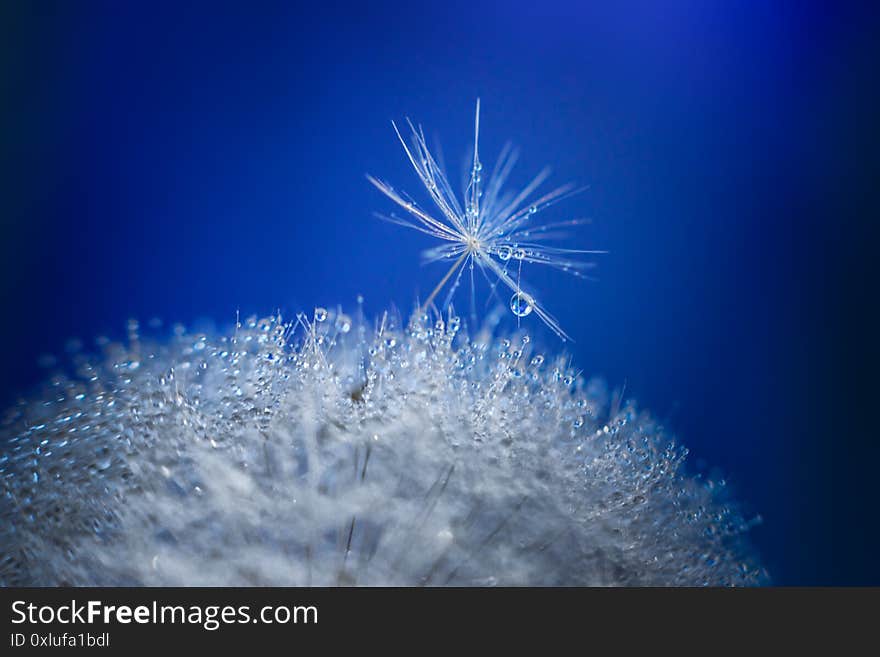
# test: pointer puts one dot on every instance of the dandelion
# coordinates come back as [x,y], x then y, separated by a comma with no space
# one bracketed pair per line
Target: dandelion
[333,451]
[330,450]
[491,230]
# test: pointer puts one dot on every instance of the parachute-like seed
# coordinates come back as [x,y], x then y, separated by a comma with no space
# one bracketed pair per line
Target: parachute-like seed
[329,452]
[492,229]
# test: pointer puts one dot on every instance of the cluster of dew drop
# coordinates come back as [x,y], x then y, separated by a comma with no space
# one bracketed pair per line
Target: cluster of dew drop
[330,451]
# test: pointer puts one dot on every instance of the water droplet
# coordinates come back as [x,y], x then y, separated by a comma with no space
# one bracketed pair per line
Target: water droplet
[519,254]
[343,323]
[504,253]
[538,360]
[520,304]
[533,209]
[320,314]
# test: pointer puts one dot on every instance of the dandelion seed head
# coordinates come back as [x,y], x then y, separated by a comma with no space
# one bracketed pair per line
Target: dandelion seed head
[339,451]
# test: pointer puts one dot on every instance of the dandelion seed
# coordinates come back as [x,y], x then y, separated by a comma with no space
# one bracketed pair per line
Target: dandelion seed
[488,226]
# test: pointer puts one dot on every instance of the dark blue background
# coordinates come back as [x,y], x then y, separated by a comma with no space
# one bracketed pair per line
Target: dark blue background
[187,162]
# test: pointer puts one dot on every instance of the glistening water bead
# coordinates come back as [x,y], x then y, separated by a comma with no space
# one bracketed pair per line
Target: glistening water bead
[343,323]
[519,304]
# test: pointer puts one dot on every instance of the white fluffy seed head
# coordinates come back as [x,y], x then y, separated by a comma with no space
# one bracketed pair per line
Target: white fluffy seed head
[329,453]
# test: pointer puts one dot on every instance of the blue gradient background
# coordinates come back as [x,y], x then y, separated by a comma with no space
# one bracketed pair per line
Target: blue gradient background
[186,162]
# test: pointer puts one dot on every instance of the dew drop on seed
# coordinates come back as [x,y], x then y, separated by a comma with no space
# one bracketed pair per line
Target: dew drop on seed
[320,314]
[520,305]
[504,253]
[343,323]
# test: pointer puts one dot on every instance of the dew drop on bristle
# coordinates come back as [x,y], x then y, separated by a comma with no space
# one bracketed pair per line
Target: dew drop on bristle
[504,253]
[320,314]
[519,304]
[343,323]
